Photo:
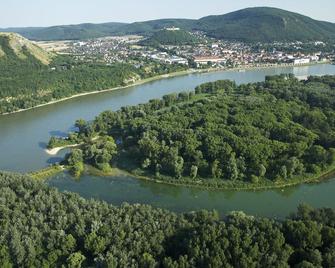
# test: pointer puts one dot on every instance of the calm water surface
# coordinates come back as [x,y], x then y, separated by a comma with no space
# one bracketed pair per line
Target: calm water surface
[23,137]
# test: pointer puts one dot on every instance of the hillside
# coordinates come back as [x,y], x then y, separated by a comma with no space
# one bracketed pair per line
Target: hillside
[259,24]
[13,46]
[265,24]
[167,37]
[147,28]
[31,76]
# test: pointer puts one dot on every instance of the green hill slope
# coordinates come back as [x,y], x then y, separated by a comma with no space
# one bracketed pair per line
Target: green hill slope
[167,37]
[13,46]
[147,28]
[30,76]
[266,24]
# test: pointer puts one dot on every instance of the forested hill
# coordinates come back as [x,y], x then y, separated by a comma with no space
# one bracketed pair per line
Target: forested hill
[14,47]
[259,24]
[41,227]
[171,37]
[264,24]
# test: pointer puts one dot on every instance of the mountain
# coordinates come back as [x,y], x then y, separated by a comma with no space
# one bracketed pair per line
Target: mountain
[13,46]
[171,37]
[265,24]
[259,24]
[147,28]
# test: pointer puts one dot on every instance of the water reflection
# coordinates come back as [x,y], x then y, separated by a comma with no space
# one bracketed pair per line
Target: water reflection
[42,144]
[272,203]
[58,133]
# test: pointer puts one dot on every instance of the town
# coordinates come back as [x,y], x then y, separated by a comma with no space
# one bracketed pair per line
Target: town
[210,53]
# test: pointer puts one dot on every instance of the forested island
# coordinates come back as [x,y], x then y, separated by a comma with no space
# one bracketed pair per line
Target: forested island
[41,227]
[275,133]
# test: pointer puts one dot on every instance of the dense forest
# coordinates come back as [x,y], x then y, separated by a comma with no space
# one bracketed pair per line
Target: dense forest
[174,37]
[27,82]
[278,131]
[41,227]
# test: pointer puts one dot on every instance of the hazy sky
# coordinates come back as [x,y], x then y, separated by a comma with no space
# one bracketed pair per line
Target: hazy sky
[16,13]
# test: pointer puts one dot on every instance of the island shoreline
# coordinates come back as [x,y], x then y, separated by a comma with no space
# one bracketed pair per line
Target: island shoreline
[323,176]
[164,76]
[326,175]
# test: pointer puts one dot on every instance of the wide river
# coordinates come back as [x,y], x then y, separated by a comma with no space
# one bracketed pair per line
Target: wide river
[23,137]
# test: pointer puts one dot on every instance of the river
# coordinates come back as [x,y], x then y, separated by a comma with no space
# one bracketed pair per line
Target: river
[23,137]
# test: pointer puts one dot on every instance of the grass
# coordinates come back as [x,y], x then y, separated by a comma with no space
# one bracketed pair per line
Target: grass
[60,142]
[46,173]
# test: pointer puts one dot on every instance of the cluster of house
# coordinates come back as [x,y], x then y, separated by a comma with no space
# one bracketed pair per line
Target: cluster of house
[222,53]
[108,50]
[211,52]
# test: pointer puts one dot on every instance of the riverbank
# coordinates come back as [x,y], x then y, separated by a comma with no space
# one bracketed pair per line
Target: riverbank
[165,76]
[241,186]
[207,184]
[211,184]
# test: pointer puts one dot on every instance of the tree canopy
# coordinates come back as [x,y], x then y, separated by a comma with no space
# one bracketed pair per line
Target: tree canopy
[41,227]
[273,131]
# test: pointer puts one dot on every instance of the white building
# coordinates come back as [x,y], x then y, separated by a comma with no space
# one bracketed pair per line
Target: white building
[314,58]
[211,59]
[164,57]
[172,29]
[176,60]
[301,61]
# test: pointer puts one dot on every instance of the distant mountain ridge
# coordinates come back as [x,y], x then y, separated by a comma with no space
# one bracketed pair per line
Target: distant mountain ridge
[67,32]
[258,24]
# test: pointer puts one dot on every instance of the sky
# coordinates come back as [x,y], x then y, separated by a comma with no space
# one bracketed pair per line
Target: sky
[23,13]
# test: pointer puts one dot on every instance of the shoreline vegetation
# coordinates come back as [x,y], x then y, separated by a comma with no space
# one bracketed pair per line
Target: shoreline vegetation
[200,183]
[204,184]
[165,76]
[46,173]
